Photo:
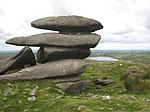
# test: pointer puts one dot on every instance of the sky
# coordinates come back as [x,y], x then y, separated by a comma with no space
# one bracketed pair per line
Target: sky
[126,22]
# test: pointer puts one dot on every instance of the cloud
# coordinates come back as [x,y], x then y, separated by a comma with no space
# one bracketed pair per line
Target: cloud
[4,35]
[60,7]
[132,37]
[2,12]
[146,22]
[1,30]
[124,46]
[124,21]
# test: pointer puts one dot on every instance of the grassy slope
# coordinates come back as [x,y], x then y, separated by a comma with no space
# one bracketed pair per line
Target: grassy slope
[50,99]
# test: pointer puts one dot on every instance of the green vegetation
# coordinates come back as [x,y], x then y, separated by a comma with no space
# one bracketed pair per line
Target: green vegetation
[135,84]
[43,96]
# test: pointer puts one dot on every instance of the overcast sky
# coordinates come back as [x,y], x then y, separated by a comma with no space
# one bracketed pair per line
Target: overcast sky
[126,22]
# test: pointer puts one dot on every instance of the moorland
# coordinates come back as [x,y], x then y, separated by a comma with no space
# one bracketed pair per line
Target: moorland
[129,92]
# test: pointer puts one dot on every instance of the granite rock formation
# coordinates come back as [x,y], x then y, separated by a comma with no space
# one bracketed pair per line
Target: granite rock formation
[49,70]
[23,58]
[45,54]
[68,24]
[56,39]
[60,55]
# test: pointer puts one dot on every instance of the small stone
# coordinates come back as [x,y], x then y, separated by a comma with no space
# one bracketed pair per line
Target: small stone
[6,106]
[9,84]
[75,97]
[41,90]
[36,109]
[33,98]
[131,96]
[120,64]
[46,94]
[20,102]
[58,97]
[111,109]
[27,89]
[95,96]
[33,91]
[8,91]
[81,108]
[5,99]
[27,85]
[101,108]
[148,100]
[106,97]
[48,88]
[26,110]
[52,104]
[90,95]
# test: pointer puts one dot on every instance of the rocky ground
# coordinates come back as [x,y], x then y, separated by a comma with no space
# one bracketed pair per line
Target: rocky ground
[43,96]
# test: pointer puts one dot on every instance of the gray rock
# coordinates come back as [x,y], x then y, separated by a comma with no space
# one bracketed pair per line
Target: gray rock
[55,39]
[67,24]
[45,54]
[103,82]
[20,60]
[73,87]
[32,98]
[48,70]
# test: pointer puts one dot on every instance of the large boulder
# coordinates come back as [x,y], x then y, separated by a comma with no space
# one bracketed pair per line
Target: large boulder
[63,79]
[49,70]
[23,58]
[55,39]
[45,54]
[67,24]
[74,87]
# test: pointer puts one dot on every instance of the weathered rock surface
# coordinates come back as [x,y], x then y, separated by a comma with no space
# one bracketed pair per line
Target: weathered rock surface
[23,58]
[67,24]
[45,54]
[67,78]
[55,39]
[52,69]
[73,87]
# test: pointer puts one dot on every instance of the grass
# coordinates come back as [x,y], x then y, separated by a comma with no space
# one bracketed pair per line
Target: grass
[14,94]
[135,84]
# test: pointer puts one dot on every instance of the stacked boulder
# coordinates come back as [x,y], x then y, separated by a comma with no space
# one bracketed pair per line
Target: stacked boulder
[61,55]
[24,58]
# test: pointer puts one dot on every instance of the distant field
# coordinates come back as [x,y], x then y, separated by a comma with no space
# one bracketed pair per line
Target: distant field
[5,55]
[135,56]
